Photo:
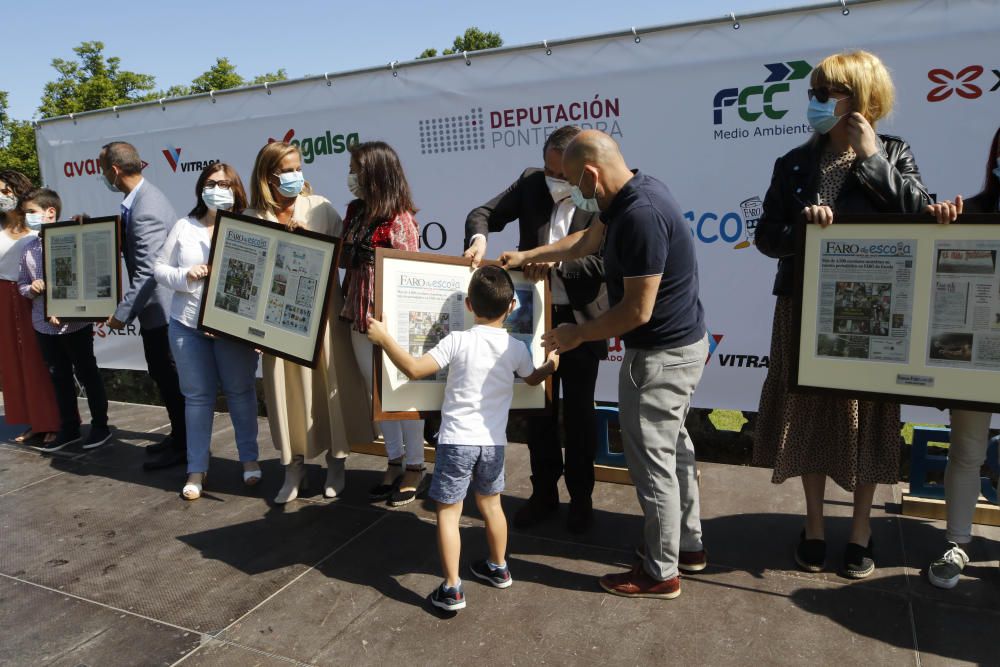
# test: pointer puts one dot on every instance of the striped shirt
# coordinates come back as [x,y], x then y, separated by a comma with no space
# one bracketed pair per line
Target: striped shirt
[31,270]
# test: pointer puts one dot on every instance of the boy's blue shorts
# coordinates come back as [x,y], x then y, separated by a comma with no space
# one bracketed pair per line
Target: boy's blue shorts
[456,466]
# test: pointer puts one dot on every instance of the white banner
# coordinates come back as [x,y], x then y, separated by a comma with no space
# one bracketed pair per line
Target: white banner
[706,109]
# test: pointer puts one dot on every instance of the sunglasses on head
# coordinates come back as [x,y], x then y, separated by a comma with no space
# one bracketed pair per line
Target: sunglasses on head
[822,93]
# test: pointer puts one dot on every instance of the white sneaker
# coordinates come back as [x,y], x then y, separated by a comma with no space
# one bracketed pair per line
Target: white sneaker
[947,570]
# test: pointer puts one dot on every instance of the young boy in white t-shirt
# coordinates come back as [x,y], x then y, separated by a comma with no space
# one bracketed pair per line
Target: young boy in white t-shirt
[483,362]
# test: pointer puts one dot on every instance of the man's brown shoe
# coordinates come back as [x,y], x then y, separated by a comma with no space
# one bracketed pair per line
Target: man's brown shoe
[692,561]
[637,584]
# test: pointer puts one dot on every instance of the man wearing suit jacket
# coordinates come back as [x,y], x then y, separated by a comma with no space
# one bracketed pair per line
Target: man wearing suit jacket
[147,217]
[539,200]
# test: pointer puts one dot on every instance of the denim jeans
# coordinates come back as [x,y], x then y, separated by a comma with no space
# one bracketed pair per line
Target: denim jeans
[970,435]
[203,365]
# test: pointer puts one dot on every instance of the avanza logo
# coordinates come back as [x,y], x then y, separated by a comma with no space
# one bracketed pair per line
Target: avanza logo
[960,83]
[173,156]
[323,144]
[90,167]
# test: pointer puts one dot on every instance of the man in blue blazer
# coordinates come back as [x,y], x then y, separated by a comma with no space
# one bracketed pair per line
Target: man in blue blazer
[147,217]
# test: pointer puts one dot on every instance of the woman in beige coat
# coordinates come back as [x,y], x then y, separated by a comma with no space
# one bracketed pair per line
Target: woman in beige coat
[310,411]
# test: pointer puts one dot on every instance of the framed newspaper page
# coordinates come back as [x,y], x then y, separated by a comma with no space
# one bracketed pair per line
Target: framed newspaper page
[82,269]
[899,308]
[421,298]
[268,286]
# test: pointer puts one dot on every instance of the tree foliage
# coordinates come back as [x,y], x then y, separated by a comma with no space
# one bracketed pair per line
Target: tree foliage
[17,144]
[473,39]
[92,81]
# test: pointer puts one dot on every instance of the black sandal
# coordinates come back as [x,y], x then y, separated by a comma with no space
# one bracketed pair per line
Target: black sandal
[398,498]
[383,491]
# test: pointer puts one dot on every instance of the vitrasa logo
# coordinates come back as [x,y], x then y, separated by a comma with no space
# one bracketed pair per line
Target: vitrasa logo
[323,144]
[516,126]
[89,167]
[738,228]
[760,100]
[732,360]
[173,156]
[967,83]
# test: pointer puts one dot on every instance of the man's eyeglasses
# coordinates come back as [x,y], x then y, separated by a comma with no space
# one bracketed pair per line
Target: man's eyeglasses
[225,185]
[822,94]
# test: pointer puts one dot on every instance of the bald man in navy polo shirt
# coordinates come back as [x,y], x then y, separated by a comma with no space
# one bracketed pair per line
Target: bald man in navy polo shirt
[652,279]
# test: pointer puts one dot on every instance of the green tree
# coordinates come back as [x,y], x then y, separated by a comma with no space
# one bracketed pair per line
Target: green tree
[473,39]
[17,144]
[271,77]
[92,81]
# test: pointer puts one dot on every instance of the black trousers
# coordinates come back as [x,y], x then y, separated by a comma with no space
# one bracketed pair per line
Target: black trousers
[577,376]
[163,371]
[66,355]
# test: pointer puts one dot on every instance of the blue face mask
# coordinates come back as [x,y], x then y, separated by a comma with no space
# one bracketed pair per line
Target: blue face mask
[290,183]
[588,205]
[821,115]
[34,221]
[996,170]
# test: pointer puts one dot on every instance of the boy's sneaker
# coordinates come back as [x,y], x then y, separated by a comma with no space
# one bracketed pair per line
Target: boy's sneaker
[946,570]
[498,577]
[62,440]
[98,436]
[448,600]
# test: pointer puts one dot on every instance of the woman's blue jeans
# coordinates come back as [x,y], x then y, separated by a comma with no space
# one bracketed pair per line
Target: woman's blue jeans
[203,365]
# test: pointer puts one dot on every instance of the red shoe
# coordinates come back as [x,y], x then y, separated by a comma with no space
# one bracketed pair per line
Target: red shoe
[637,584]
[692,561]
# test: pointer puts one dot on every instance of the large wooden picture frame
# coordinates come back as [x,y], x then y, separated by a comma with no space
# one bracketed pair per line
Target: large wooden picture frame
[268,287]
[898,308]
[81,265]
[421,296]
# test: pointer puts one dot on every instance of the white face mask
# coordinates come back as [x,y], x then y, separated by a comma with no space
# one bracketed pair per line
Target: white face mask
[108,184]
[7,203]
[558,188]
[220,199]
[34,220]
[354,186]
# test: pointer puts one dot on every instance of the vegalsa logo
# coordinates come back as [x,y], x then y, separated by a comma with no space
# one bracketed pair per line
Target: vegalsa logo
[736,227]
[173,156]
[323,144]
[959,83]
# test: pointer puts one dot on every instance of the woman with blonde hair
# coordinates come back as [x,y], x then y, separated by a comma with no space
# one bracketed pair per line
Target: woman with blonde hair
[308,412]
[844,168]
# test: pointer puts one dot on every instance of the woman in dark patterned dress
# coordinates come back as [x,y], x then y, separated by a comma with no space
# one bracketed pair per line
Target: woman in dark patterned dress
[844,168]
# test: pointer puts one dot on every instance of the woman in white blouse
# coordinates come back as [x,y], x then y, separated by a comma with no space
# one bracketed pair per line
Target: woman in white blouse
[205,362]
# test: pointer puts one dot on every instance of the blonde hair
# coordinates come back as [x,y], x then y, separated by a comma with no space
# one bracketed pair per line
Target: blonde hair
[863,75]
[268,159]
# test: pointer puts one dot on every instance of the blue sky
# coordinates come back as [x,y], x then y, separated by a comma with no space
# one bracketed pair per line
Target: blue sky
[176,40]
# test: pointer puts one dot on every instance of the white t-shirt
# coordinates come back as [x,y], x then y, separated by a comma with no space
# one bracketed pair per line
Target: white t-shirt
[480,385]
[11,251]
[188,244]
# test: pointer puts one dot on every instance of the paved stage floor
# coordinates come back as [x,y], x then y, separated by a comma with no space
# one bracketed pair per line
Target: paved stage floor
[104,564]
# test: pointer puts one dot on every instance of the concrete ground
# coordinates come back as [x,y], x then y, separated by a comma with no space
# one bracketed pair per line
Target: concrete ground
[104,564]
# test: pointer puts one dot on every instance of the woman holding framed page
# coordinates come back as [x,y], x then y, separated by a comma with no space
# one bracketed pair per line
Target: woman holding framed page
[844,168]
[307,411]
[381,216]
[204,362]
[970,430]
[28,395]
